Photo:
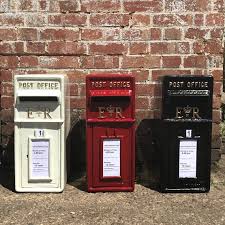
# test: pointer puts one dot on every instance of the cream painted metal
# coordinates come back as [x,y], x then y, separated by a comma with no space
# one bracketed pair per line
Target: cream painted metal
[42,121]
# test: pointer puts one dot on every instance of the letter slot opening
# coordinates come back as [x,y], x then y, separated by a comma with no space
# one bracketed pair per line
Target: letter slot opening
[38,99]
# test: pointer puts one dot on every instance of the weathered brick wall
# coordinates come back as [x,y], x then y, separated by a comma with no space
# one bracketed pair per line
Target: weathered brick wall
[148,38]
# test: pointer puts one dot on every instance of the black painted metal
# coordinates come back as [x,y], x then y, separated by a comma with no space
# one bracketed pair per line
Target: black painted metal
[187,106]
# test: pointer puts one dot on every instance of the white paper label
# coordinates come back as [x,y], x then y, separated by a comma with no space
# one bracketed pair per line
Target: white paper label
[39,133]
[111,158]
[187,158]
[39,159]
[188,133]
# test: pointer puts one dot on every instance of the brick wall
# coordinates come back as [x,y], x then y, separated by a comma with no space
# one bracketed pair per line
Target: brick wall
[148,38]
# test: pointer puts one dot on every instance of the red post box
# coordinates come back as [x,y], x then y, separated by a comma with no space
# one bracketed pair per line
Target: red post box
[110,132]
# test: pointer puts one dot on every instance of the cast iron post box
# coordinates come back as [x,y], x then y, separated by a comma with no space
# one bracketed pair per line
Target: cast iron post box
[187,125]
[41,127]
[110,132]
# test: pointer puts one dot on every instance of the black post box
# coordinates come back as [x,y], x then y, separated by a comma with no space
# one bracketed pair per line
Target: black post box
[186,134]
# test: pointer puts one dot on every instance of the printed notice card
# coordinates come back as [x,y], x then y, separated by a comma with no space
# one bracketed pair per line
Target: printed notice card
[39,159]
[111,157]
[187,158]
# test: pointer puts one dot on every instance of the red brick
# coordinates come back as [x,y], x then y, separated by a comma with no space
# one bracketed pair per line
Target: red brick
[36,20]
[27,34]
[69,6]
[136,35]
[7,89]
[217,33]
[171,61]
[6,48]
[7,62]
[215,61]
[216,103]
[140,114]
[195,61]
[82,90]
[170,48]
[100,6]
[6,102]
[60,34]
[172,20]
[217,89]
[157,90]
[195,33]
[162,48]
[11,20]
[217,75]
[216,117]
[42,5]
[142,103]
[216,19]
[6,115]
[6,75]
[77,102]
[219,6]
[140,20]
[140,62]
[109,20]
[156,103]
[187,5]
[66,48]
[7,129]
[107,49]
[19,47]
[8,34]
[76,76]
[91,34]
[213,47]
[99,62]
[156,34]
[26,5]
[199,20]
[28,61]
[137,48]
[158,74]
[144,90]
[73,89]
[67,20]
[143,6]
[59,62]
[140,75]
[172,34]
[35,47]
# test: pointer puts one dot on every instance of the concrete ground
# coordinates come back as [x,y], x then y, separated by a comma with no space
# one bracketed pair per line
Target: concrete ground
[143,206]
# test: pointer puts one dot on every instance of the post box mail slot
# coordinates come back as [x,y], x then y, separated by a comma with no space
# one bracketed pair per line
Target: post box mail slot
[186,133]
[41,127]
[110,132]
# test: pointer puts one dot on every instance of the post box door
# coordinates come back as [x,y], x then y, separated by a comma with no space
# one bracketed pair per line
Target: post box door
[112,156]
[187,167]
[42,156]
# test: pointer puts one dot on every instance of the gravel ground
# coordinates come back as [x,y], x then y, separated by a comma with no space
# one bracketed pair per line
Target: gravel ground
[143,206]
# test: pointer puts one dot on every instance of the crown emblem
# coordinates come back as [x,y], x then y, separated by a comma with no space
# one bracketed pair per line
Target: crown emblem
[110,110]
[187,111]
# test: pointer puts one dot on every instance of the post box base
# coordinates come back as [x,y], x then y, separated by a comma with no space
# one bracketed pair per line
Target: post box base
[111,189]
[39,190]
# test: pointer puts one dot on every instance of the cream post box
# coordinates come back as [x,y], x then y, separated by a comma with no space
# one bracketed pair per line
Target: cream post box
[42,120]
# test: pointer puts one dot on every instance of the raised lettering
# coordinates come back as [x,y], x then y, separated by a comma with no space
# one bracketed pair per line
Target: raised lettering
[101,111]
[119,113]
[196,113]
[29,114]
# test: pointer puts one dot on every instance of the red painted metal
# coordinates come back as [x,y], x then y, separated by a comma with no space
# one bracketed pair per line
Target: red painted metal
[110,114]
